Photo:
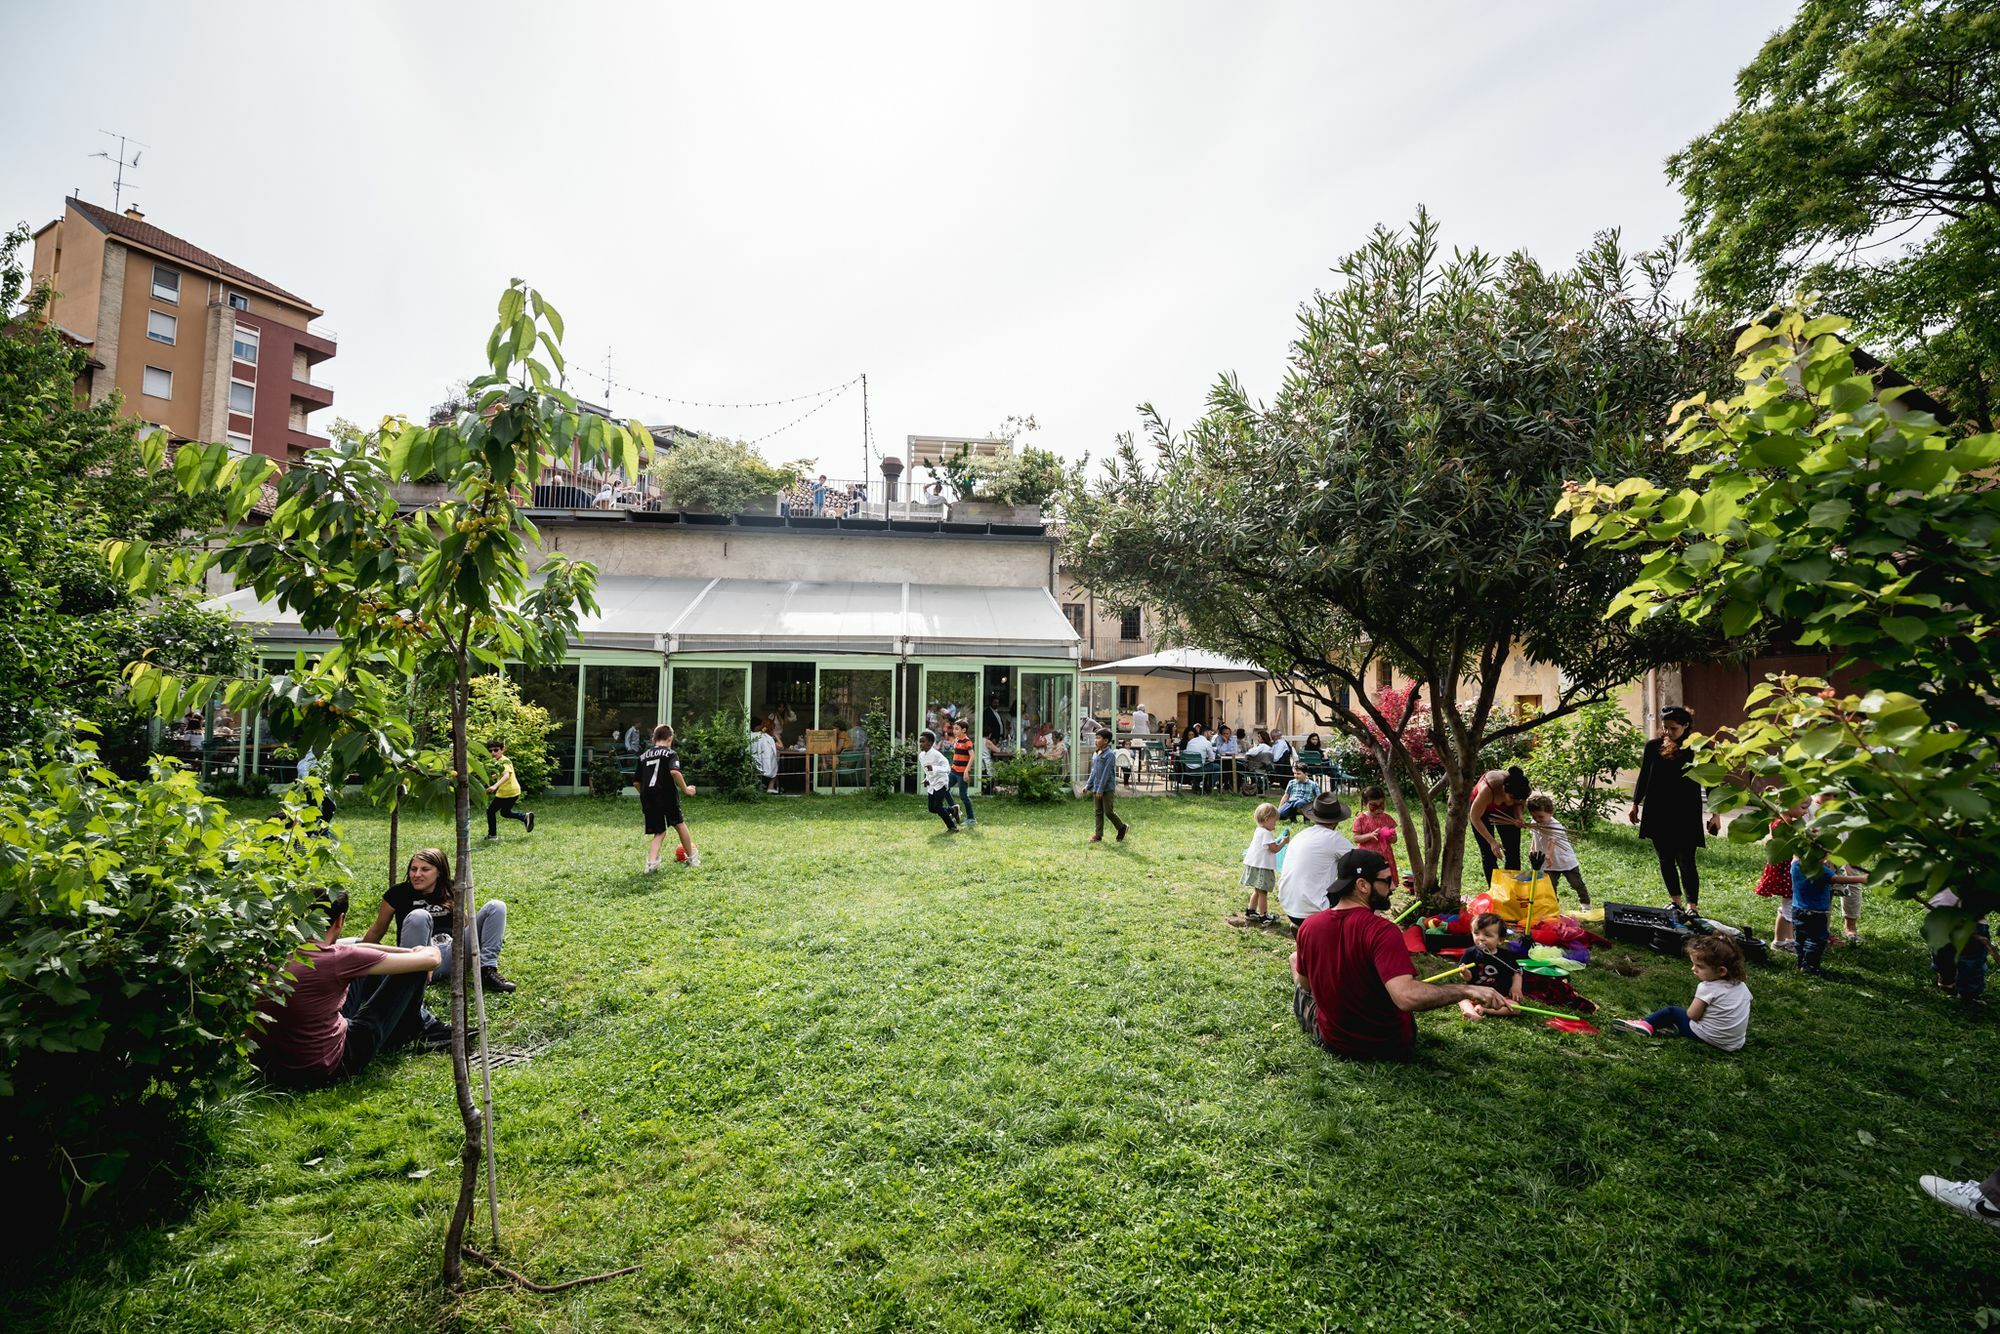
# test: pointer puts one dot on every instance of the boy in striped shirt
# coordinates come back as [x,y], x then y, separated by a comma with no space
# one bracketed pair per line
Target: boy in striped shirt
[961,769]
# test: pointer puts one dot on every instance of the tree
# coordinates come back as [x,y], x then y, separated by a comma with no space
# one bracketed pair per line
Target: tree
[71,476]
[1860,124]
[1869,532]
[713,475]
[1392,502]
[447,587]
[1574,759]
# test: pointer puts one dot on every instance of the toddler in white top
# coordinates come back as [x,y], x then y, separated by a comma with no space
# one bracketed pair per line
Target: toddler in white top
[1552,852]
[1260,865]
[1719,1014]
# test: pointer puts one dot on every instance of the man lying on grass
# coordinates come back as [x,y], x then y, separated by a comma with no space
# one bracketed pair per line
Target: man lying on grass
[350,1002]
[1354,990]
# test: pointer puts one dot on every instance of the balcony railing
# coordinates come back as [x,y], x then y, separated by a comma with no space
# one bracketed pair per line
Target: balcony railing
[837,499]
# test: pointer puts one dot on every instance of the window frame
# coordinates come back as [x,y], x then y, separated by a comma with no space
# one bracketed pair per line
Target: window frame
[172,296]
[239,439]
[173,328]
[1131,617]
[255,344]
[1074,611]
[145,380]
[235,300]
[247,387]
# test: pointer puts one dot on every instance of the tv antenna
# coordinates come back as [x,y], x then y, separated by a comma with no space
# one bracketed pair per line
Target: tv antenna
[118,184]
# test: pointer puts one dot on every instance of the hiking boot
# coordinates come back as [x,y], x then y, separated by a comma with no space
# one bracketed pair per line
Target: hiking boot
[490,979]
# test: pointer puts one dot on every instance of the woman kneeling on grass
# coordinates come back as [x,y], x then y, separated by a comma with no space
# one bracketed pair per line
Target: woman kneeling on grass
[1719,1014]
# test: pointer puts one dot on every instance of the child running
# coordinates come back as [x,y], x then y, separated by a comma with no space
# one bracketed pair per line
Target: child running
[660,799]
[960,785]
[1558,858]
[1260,865]
[937,772]
[1375,828]
[505,791]
[1719,1014]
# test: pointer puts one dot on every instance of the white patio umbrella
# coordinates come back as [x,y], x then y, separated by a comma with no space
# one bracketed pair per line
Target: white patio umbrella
[1194,663]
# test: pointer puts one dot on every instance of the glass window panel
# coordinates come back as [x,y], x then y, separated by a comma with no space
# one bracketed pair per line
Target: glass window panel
[702,694]
[242,398]
[849,694]
[1048,714]
[783,693]
[166,284]
[243,345]
[554,689]
[160,327]
[999,721]
[620,707]
[157,383]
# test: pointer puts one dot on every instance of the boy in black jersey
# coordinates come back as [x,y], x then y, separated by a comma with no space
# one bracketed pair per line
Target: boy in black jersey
[661,787]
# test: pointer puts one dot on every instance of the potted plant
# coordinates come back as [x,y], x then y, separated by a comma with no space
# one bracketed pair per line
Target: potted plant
[1007,486]
[711,475]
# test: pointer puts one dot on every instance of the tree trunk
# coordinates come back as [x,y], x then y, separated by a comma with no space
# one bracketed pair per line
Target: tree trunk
[461,963]
[395,830]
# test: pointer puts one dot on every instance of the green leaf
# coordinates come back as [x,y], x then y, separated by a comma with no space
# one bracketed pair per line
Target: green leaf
[1829,513]
[1905,629]
[1850,393]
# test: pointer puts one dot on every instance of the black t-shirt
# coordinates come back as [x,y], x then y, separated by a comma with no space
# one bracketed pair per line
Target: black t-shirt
[1490,970]
[657,765]
[403,900]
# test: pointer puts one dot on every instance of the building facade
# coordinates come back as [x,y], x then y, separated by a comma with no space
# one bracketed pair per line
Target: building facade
[197,346]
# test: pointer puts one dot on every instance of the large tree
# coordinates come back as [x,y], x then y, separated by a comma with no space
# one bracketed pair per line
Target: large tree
[71,477]
[1393,502]
[1863,161]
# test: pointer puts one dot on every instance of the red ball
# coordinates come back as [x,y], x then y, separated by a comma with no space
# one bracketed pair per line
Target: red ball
[680,854]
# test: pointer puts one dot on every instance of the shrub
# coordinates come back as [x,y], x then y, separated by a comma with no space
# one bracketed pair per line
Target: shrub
[892,763]
[496,709]
[140,927]
[710,475]
[606,779]
[1037,782]
[1577,755]
[716,755]
[1027,476]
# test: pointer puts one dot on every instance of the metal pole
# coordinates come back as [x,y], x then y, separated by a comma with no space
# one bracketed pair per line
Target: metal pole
[867,479]
[485,1076]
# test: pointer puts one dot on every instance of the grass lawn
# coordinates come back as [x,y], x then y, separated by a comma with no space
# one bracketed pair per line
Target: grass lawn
[851,1072]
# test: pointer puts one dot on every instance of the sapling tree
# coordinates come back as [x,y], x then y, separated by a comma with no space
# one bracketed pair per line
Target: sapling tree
[1822,509]
[450,591]
[1392,503]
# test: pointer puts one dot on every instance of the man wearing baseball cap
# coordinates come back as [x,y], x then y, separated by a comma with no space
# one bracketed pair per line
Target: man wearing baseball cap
[1310,859]
[1354,990]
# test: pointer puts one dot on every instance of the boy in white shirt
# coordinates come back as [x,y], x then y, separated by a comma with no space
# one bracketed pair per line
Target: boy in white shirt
[937,772]
[1552,851]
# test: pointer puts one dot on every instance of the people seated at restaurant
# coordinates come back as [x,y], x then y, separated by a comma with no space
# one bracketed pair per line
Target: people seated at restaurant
[1198,758]
[350,1002]
[1312,755]
[1226,743]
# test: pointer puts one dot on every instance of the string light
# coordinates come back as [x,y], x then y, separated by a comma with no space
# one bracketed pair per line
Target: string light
[807,413]
[599,376]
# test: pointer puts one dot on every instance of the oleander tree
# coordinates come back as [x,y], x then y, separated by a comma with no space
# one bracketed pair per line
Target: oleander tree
[1862,161]
[1392,502]
[441,593]
[1822,508]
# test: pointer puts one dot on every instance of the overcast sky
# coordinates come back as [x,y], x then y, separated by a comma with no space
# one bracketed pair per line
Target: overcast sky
[1054,209]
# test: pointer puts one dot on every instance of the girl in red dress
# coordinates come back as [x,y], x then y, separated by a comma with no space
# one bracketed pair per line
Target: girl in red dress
[1776,882]
[1375,830]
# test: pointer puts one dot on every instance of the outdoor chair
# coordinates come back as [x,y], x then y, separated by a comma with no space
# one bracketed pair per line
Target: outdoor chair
[1253,775]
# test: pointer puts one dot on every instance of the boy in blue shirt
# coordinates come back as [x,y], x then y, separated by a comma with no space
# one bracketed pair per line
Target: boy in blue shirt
[1812,907]
[1299,794]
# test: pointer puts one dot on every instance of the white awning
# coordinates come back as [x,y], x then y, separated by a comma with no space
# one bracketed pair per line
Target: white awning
[749,616]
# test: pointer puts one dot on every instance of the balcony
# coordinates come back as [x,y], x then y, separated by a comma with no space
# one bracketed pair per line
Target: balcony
[317,344]
[315,395]
[300,442]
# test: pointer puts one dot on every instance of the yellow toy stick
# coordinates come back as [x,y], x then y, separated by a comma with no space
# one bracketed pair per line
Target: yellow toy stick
[1447,973]
[1413,906]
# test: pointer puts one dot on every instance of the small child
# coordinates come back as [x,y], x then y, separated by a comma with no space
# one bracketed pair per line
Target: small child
[1719,1014]
[1299,794]
[937,772]
[1776,883]
[1962,972]
[1812,909]
[1552,846]
[1375,828]
[505,791]
[1486,966]
[660,802]
[1260,865]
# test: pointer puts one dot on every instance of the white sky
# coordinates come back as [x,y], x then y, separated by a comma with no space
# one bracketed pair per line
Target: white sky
[1052,209]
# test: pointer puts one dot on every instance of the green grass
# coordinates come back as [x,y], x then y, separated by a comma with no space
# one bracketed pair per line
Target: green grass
[853,1073]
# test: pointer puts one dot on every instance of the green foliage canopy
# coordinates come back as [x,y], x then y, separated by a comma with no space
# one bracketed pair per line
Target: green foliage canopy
[712,475]
[1861,123]
[1821,507]
[1393,501]
[1575,757]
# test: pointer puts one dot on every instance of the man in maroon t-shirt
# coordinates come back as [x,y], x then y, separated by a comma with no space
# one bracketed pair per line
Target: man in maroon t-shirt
[1354,991]
[349,1002]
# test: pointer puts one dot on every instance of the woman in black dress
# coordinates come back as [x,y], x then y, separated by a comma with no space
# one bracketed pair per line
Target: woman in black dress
[1667,807]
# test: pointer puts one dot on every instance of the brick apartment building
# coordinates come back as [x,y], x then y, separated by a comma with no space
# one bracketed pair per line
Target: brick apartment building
[198,346]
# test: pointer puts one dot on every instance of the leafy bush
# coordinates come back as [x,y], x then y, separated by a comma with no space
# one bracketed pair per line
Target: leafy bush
[496,709]
[1575,756]
[254,786]
[716,755]
[710,475]
[605,778]
[1350,757]
[140,927]
[892,763]
[1037,782]
[1027,476]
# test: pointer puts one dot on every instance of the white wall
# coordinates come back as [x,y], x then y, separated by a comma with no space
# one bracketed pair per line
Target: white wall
[632,548]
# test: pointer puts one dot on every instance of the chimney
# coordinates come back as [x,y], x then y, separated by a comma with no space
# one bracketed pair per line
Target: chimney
[892,468]
[134,213]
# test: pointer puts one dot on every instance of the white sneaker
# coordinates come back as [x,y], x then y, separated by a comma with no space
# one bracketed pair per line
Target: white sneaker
[652,867]
[694,859]
[1964,1196]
